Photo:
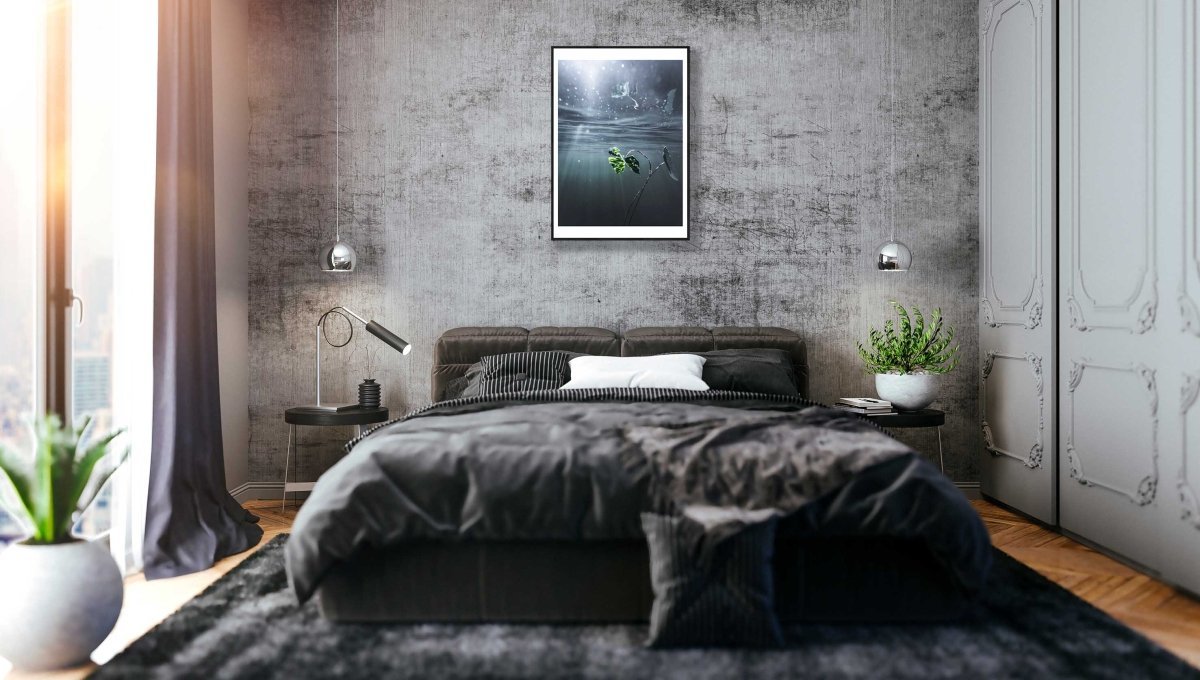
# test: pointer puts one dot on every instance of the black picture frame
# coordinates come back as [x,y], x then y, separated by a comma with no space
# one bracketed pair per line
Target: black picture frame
[606,232]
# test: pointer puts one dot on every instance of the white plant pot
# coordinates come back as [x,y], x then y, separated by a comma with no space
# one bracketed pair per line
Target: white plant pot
[907,391]
[59,603]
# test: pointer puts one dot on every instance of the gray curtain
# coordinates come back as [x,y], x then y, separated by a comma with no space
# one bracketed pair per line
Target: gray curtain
[191,520]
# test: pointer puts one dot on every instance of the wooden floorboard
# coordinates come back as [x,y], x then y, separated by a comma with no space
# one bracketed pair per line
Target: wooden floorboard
[1168,616]
[1164,614]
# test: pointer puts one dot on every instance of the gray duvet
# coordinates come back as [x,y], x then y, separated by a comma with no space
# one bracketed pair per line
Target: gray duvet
[582,465]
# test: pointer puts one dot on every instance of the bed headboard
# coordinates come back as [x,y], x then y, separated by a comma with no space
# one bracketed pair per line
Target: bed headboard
[458,348]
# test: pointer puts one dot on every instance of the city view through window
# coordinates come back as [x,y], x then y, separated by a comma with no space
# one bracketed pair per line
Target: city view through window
[91,245]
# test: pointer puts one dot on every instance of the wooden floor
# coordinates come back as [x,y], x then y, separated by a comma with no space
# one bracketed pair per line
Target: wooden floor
[1167,616]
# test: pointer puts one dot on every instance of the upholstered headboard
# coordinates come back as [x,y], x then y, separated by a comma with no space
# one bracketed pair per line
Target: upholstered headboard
[458,348]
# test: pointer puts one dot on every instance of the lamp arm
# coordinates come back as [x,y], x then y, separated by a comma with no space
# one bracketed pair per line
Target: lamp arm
[389,338]
[320,330]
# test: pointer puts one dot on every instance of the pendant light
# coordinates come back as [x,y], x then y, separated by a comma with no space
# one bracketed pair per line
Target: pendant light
[892,255]
[337,256]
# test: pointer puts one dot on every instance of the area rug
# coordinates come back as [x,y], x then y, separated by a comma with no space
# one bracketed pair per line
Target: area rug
[248,625]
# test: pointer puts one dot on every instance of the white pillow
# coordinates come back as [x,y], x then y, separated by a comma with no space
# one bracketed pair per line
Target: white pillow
[678,371]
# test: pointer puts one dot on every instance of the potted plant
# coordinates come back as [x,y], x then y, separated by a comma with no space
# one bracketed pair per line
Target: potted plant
[907,360]
[61,595]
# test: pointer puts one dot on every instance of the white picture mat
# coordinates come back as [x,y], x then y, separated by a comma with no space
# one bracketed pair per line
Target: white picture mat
[613,54]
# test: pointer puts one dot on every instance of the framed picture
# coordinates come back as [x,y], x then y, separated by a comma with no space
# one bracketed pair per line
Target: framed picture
[619,145]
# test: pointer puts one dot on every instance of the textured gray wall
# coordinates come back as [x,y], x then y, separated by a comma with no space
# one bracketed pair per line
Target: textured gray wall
[445,118]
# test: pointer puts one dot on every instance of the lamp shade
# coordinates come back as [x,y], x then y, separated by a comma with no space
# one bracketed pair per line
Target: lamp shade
[893,256]
[394,341]
[338,257]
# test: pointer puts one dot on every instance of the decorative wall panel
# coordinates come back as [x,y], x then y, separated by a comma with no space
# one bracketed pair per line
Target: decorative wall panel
[1189,285]
[1141,490]
[1190,439]
[1113,279]
[1013,397]
[1013,138]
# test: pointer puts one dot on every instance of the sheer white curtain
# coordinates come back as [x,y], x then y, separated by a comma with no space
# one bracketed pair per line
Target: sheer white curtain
[114,80]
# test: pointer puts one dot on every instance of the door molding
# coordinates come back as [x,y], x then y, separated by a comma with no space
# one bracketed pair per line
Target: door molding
[1147,487]
[1137,313]
[1189,309]
[1188,392]
[1033,459]
[994,311]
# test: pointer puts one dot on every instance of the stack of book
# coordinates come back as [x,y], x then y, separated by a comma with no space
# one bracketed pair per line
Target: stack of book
[867,406]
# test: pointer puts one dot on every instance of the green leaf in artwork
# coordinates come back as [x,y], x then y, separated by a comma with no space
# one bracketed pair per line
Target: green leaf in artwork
[633,164]
[614,152]
[617,163]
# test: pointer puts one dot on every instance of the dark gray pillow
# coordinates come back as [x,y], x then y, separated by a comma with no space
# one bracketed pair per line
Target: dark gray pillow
[467,381]
[517,372]
[725,599]
[750,370]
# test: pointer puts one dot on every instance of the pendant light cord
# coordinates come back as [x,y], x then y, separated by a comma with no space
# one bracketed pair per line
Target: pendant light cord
[892,110]
[337,120]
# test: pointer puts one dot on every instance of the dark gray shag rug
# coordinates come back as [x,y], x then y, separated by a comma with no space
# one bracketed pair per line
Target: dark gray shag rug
[247,625]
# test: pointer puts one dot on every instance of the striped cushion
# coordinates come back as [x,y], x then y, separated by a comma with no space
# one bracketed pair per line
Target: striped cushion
[727,599]
[519,372]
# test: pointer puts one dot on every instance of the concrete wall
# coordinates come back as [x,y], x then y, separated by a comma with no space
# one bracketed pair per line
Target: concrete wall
[231,159]
[445,115]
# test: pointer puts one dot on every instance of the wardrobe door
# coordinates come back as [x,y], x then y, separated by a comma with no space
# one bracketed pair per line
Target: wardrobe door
[1180,254]
[1122,357]
[1017,255]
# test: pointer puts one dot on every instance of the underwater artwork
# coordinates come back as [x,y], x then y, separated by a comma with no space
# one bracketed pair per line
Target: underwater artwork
[619,146]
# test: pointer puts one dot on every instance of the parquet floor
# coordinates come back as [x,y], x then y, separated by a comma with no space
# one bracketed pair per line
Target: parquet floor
[1164,614]
[1167,616]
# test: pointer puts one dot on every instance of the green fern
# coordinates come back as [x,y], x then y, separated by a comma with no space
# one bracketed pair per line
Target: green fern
[62,480]
[918,345]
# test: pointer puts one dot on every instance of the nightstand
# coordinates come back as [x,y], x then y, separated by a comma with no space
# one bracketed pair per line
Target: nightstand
[928,417]
[312,417]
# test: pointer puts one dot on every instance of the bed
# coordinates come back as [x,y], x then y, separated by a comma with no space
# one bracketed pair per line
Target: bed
[379,541]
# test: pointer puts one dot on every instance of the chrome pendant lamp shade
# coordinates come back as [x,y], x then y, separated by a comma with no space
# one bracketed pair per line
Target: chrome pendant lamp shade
[338,256]
[892,255]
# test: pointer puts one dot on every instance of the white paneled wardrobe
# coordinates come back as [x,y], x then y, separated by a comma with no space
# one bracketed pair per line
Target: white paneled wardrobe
[1090,272]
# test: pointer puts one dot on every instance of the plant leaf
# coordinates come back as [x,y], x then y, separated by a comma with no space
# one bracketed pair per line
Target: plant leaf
[617,163]
[97,483]
[64,453]
[633,164]
[19,474]
[87,463]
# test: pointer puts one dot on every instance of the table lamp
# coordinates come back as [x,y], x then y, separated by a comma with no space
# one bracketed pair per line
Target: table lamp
[389,338]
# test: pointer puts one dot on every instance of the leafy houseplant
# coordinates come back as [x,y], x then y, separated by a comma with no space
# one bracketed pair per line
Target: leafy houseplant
[907,358]
[62,482]
[61,595]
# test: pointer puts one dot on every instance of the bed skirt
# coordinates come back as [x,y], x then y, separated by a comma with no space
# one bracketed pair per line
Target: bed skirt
[820,579]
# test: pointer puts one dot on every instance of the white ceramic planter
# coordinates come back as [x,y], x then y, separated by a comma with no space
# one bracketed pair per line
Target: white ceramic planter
[59,602]
[907,391]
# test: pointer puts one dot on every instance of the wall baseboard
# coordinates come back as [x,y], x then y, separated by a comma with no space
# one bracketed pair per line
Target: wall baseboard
[262,491]
[273,491]
[970,490]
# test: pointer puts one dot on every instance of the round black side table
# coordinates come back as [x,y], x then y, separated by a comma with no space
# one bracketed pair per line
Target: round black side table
[315,417]
[927,417]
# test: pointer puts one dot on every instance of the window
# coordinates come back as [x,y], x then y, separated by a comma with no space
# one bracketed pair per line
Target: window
[77,173]
[21,227]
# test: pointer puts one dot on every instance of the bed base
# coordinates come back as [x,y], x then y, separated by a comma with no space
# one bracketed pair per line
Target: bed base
[827,579]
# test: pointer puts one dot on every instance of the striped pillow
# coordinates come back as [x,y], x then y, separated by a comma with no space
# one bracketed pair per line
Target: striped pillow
[725,600]
[519,372]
